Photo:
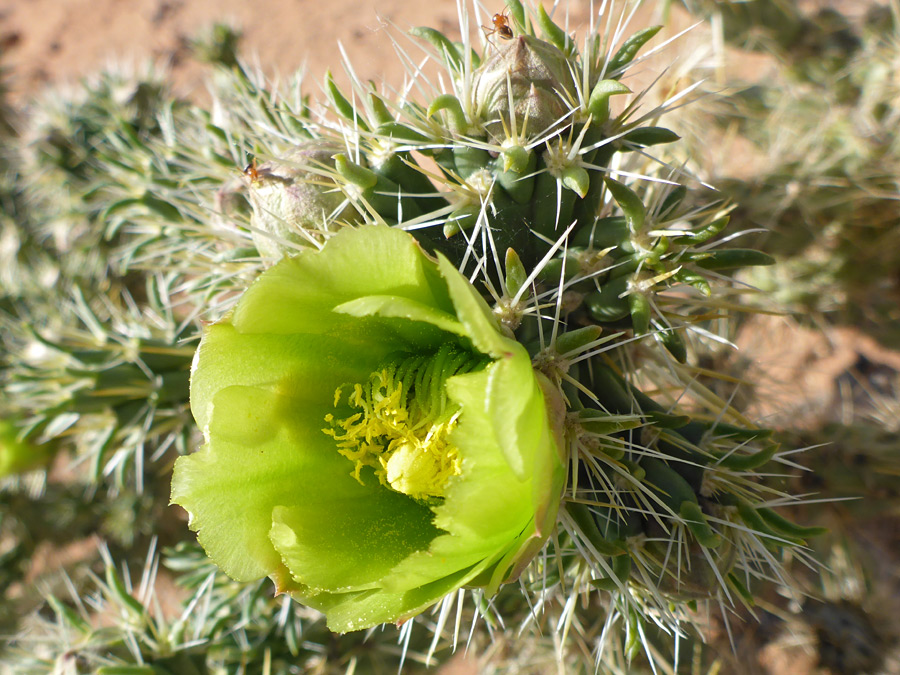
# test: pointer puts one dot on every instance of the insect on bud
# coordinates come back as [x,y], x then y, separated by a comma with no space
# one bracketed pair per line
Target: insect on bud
[294,198]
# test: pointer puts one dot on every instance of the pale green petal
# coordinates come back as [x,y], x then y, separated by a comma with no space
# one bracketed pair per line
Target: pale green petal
[298,294]
[308,368]
[514,407]
[363,609]
[447,556]
[353,541]
[473,312]
[266,451]
[488,499]
[401,308]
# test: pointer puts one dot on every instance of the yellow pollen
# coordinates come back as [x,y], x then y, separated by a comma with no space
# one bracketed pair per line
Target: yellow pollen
[405,444]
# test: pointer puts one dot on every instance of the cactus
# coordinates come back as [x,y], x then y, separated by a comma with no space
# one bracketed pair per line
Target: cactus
[551,241]
[605,279]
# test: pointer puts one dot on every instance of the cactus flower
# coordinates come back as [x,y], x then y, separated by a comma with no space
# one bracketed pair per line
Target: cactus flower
[373,440]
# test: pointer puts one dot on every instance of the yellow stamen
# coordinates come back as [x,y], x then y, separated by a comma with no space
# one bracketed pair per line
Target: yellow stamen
[399,437]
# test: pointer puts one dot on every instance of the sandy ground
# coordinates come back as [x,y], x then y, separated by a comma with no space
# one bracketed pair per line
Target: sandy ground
[54,41]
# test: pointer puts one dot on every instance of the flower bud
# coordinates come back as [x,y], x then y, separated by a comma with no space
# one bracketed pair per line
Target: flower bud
[294,198]
[540,80]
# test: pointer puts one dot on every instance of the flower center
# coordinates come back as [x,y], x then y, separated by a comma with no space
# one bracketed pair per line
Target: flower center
[403,421]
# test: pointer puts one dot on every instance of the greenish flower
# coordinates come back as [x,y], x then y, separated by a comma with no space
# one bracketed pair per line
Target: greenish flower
[373,440]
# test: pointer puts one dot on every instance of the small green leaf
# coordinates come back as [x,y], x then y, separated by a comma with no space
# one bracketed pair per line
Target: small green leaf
[738,461]
[741,589]
[117,587]
[629,49]
[629,202]
[598,103]
[341,104]
[516,158]
[516,275]
[695,519]
[671,486]
[162,208]
[380,113]
[70,616]
[732,258]
[516,173]
[693,279]
[602,423]
[440,42]
[608,305]
[647,136]
[517,11]
[354,173]
[400,132]
[674,343]
[458,122]
[752,518]
[704,233]
[573,341]
[554,34]
[639,308]
[667,420]
[788,527]
[605,539]
[576,179]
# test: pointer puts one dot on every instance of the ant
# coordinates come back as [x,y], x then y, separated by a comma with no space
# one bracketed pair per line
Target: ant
[251,172]
[501,26]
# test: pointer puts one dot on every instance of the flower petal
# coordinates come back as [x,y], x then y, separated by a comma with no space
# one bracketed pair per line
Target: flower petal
[304,367]
[473,312]
[363,609]
[488,500]
[299,294]
[404,308]
[254,463]
[353,541]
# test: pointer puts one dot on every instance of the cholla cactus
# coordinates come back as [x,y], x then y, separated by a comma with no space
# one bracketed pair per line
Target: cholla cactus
[534,191]
[473,363]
